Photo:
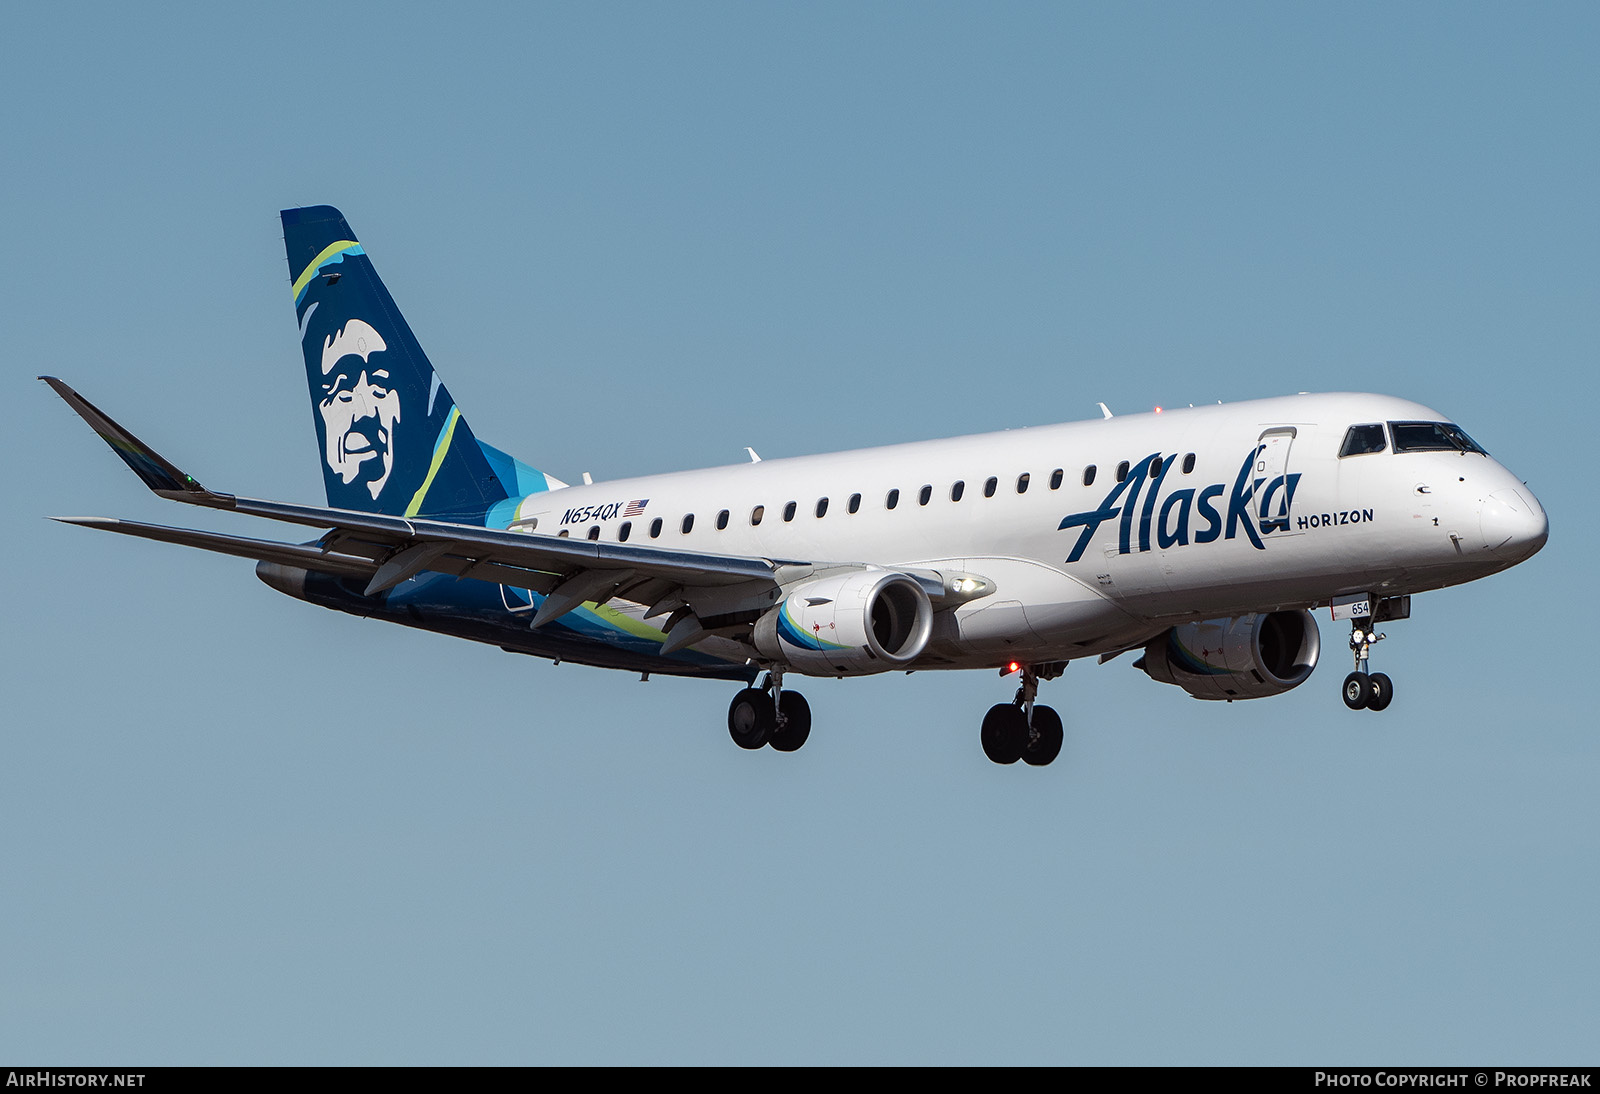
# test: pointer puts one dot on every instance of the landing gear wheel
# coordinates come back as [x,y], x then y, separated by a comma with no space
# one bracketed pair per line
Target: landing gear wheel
[1357,690]
[797,722]
[1380,690]
[1047,745]
[1005,733]
[751,718]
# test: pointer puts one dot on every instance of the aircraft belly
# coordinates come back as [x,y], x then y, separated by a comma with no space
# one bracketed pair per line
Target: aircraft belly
[1036,611]
[1293,573]
[993,626]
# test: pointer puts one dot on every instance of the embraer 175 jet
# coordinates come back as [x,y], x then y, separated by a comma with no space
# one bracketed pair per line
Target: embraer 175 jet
[1200,538]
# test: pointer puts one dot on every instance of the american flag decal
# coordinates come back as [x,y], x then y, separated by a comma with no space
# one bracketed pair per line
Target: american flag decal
[635,507]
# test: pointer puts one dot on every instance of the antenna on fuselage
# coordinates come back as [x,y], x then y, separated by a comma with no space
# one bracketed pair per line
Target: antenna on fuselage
[1104,410]
[753,457]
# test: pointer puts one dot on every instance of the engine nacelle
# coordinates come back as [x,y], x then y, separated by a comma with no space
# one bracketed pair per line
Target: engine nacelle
[852,625]
[1245,657]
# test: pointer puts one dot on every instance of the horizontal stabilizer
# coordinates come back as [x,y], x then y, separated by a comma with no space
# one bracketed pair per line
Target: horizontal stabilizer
[307,556]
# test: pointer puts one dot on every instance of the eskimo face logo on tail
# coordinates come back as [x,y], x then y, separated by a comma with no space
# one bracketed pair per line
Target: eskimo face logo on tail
[1257,506]
[359,406]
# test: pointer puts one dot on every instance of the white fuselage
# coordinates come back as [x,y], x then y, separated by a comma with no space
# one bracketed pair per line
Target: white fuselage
[1266,515]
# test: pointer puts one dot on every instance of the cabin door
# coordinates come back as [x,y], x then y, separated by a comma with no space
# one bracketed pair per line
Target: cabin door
[1272,479]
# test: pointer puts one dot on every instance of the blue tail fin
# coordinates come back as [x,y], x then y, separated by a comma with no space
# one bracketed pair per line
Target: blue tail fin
[391,438]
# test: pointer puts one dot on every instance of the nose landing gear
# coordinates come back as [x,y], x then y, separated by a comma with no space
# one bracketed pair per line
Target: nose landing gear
[768,715]
[1021,729]
[1363,690]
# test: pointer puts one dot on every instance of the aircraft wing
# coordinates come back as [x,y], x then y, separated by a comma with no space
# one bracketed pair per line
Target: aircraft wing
[388,550]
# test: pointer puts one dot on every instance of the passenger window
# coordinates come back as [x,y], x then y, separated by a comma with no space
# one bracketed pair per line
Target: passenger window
[789,511]
[1155,467]
[1022,483]
[655,528]
[688,523]
[990,487]
[624,531]
[1122,471]
[564,533]
[1055,478]
[722,520]
[925,496]
[1088,475]
[1362,439]
[892,500]
[756,514]
[822,508]
[1188,463]
[957,489]
[855,503]
[594,531]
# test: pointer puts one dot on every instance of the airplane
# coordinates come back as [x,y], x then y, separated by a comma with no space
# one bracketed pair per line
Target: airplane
[1200,538]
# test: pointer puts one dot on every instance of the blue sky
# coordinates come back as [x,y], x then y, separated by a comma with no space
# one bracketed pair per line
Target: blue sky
[239,829]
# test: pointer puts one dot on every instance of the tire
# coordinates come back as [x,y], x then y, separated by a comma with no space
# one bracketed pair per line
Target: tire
[797,727]
[1357,690]
[751,718]
[1047,746]
[1381,691]
[1005,733]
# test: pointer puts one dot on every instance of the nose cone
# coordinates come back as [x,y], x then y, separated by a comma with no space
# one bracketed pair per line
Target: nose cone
[1514,524]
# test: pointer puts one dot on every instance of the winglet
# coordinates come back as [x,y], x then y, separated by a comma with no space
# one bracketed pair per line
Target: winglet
[156,473]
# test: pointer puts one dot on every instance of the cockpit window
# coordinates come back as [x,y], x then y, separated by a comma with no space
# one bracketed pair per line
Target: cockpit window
[1432,437]
[1362,439]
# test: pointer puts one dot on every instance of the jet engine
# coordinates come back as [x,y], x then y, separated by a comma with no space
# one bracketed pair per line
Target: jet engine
[1246,657]
[851,625]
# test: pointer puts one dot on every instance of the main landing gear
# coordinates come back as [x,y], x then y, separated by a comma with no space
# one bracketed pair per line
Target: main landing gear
[768,715]
[1361,689]
[1021,729]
